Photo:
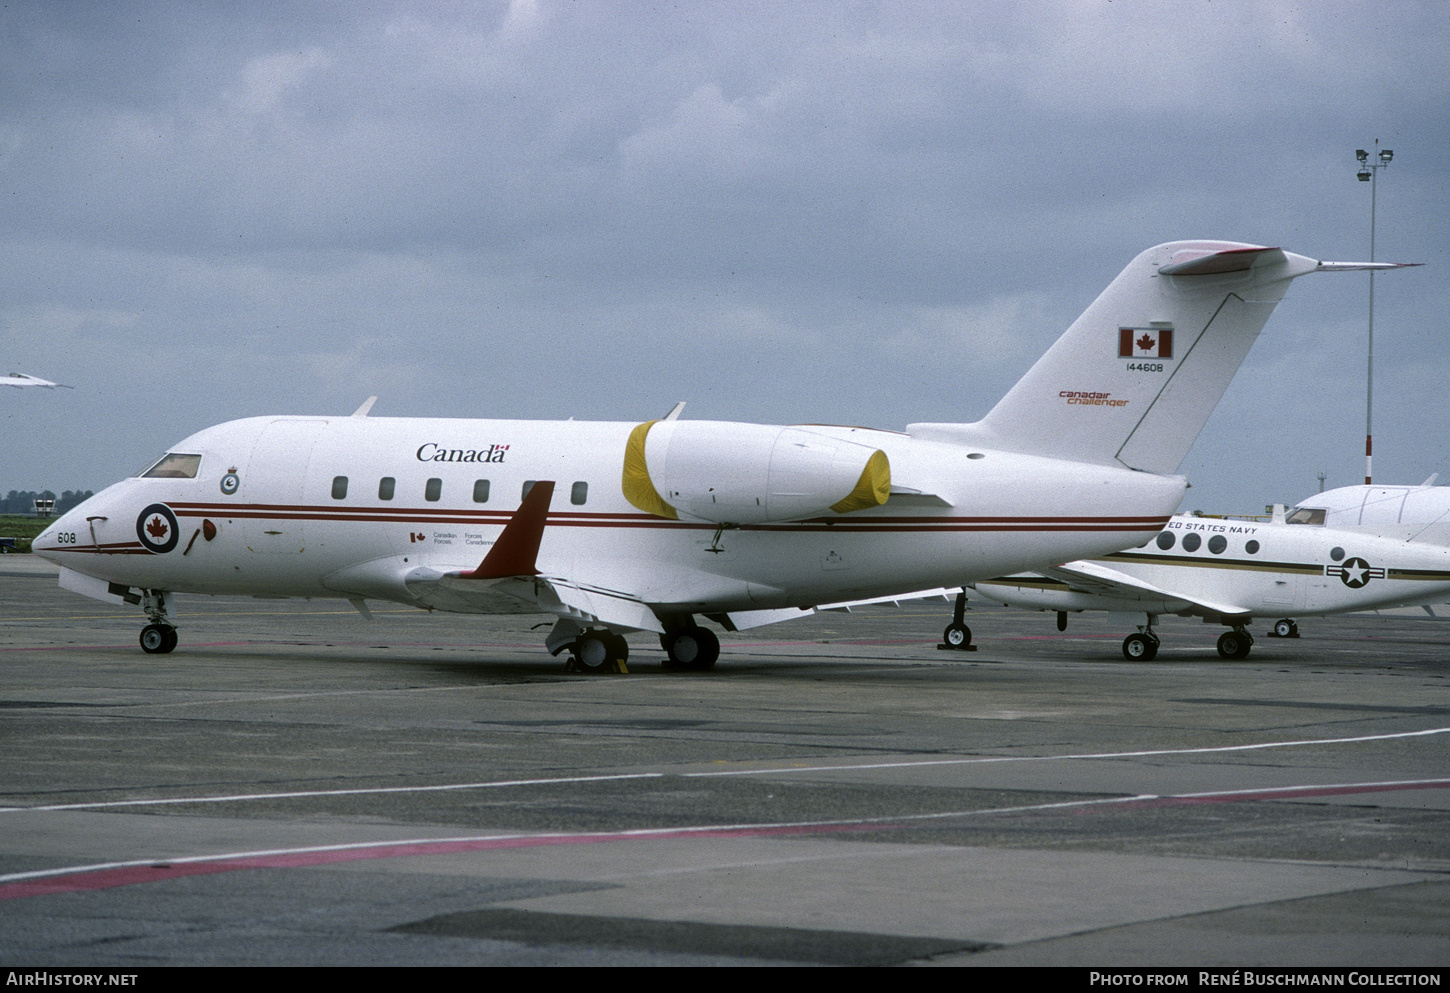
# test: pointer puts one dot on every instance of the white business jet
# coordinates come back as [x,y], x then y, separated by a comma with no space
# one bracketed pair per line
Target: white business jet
[1231,571]
[617,527]
[21,380]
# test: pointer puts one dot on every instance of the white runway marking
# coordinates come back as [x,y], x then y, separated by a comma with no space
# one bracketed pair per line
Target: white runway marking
[106,875]
[774,770]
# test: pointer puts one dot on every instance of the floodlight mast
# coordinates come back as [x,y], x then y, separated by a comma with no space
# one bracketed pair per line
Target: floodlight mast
[1369,167]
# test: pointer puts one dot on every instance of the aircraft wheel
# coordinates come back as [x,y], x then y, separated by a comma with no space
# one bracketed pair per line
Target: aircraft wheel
[597,651]
[693,648]
[1285,628]
[1234,644]
[1140,648]
[158,639]
[957,635]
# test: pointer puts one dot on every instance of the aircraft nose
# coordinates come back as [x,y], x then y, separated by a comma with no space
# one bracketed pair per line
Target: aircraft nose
[64,533]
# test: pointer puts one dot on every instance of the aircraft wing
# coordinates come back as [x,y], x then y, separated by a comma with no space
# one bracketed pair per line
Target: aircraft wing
[1099,580]
[744,620]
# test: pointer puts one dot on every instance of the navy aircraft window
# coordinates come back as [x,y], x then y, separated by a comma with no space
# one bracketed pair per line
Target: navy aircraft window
[1336,553]
[579,494]
[386,485]
[339,487]
[1251,546]
[480,491]
[1165,540]
[1305,515]
[1217,544]
[433,490]
[1191,542]
[528,485]
[174,466]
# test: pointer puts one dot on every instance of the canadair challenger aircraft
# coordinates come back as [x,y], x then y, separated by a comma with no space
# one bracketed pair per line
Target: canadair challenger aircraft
[1230,571]
[616,527]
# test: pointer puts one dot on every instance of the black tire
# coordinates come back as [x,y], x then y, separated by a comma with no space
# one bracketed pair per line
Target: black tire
[1140,648]
[158,639]
[693,648]
[957,635]
[1234,645]
[1285,628]
[595,652]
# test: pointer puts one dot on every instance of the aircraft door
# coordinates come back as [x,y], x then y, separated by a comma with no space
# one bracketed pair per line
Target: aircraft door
[275,478]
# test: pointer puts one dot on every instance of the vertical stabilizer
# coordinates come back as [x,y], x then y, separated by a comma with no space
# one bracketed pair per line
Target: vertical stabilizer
[1136,376]
[1133,380]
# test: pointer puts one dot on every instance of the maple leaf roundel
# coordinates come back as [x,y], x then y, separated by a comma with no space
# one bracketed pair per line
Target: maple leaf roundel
[157,528]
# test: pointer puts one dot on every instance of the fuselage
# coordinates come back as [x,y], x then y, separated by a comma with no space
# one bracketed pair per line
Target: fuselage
[1213,567]
[346,506]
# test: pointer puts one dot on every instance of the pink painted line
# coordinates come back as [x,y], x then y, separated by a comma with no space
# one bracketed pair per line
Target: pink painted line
[130,875]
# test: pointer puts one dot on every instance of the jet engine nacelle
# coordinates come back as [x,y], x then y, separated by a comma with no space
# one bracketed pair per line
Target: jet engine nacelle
[730,473]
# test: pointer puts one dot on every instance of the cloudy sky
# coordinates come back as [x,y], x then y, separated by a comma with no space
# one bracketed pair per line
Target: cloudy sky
[869,213]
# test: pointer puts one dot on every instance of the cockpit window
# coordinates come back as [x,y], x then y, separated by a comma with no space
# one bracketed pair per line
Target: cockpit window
[174,465]
[1306,515]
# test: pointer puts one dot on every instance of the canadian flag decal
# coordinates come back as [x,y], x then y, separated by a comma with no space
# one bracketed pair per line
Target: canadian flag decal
[1145,343]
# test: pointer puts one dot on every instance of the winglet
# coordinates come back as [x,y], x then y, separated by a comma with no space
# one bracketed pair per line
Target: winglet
[516,549]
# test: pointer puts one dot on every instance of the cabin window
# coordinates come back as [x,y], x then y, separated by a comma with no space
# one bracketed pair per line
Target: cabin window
[579,494]
[528,485]
[1217,544]
[1305,515]
[1165,540]
[174,465]
[1336,553]
[433,490]
[1251,546]
[386,485]
[1191,542]
[339,487]
[480,491]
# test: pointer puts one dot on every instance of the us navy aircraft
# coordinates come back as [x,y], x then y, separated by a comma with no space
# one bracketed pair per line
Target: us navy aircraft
[616,527]
[1231,571]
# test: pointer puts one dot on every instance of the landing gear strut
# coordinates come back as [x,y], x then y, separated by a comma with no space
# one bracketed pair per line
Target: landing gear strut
[957,635]
[158,637]
[1142,645]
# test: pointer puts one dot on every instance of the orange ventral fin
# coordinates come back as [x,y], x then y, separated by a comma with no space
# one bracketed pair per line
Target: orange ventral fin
[514,552]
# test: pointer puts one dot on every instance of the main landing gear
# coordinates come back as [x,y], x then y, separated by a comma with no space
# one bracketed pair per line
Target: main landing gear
[1141,646]
[691,647]
[158,637]
[1235,644]
[957,635]
[600,650]
[597,651]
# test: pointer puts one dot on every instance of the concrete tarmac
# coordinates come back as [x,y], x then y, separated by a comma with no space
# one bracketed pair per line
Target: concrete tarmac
[295,785]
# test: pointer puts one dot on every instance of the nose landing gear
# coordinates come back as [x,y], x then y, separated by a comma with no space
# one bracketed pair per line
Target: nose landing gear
[158,637]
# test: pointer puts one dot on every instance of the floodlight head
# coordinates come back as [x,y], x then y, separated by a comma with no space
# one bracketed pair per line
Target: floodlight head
[1364,175]
[1386,155]
[1361,154]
